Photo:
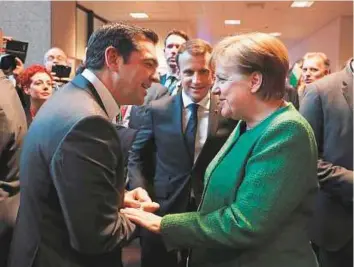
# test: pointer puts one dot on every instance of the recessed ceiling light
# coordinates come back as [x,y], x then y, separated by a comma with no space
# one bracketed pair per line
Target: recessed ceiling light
[302,4]
[139,15]
[276,34]
[232,22]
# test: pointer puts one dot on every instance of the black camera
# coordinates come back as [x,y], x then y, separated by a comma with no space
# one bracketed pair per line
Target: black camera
[17,49]
[7,63]
[61,71]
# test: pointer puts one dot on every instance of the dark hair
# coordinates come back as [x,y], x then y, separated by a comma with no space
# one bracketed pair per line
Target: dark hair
[122,37]
[257,52]
[176,32]
[194,47]
[24,79]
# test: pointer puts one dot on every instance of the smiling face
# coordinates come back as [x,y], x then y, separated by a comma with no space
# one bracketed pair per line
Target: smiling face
[137,74]
[40,88]
[196,75]
[233,89]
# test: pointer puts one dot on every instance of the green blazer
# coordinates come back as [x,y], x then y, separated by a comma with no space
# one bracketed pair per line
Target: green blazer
[257,201]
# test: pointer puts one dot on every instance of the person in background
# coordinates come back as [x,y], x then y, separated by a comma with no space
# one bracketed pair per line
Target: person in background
[37,83]
[315,65]
[56,56]
[260,187]
[13,128]
[189,125]
[173,40]
[328,107]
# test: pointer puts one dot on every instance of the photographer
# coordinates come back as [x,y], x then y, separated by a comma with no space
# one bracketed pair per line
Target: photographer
[56,62]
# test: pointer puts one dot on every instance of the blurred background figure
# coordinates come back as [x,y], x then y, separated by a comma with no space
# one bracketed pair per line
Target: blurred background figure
[13,128]
[328,107]
[56,63]
[315,65]
[37,83]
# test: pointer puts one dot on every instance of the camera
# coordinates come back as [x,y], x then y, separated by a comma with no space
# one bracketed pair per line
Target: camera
[7,63]
[61,71]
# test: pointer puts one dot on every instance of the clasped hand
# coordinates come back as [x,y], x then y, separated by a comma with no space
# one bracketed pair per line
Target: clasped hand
[138,208]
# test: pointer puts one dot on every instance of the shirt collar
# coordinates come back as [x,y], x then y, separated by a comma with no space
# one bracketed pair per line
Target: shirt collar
[205,102]
[108,101]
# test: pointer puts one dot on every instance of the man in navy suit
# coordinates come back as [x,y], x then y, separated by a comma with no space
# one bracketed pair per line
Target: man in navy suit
[186,131]
[328,107]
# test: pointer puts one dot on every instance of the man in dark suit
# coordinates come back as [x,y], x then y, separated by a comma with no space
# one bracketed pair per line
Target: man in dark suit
[13,127]
[328,106]
[186,132]
[72,174]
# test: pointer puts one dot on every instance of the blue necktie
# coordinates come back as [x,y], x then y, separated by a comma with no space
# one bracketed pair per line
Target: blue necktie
[191,129]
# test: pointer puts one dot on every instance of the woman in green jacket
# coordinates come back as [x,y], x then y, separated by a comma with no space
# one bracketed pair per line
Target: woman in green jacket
[259,189]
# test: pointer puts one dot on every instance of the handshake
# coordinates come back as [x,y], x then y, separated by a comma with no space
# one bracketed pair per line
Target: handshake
[139,199]
[139,208]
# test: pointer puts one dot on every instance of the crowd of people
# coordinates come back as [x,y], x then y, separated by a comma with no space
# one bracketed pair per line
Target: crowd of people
[224,160]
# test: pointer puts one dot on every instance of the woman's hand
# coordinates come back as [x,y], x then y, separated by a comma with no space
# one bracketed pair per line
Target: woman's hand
[145,219]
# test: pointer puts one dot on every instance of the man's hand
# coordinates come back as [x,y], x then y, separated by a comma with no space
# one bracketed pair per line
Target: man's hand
[145,219]
[139,198]
[19,67]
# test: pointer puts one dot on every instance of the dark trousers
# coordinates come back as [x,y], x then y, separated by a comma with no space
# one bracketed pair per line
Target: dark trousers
[5,241]
[340,258]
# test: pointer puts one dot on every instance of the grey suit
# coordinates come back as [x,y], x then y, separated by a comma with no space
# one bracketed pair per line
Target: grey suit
[328,106]
[71,185]
[13,128]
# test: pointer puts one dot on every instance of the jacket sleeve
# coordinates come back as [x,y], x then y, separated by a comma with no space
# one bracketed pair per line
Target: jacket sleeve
[87,171]
[334,179]
[272,188]
[141,153]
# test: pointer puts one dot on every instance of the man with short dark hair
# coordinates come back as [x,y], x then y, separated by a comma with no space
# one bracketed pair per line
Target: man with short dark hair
[72,166]
[186,131]
[173,40]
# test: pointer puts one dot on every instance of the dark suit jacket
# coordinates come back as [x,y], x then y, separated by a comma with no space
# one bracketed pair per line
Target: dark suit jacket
[72,185]
[13,128]
[328,106]
[174,174]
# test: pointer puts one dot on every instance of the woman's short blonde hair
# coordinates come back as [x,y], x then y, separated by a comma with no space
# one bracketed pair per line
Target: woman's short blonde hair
[256,52]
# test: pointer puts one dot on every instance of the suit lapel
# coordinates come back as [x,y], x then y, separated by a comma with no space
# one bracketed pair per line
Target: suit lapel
[178,119]
[223,151]
[81,82]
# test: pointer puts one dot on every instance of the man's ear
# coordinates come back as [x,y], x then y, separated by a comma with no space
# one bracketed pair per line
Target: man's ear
[112,58]
[256,79]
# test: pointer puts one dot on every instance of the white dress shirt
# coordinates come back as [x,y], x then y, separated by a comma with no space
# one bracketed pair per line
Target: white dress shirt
[203,120]
[108,101]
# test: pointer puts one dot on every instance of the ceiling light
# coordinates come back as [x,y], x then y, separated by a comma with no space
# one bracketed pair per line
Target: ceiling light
[232,22]
[302,4]
[276,34]
[139,15]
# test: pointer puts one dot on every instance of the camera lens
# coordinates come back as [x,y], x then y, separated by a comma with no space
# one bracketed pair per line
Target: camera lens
[7,62]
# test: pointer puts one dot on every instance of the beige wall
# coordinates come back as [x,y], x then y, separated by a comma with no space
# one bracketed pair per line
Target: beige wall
[334,39]
[63,26]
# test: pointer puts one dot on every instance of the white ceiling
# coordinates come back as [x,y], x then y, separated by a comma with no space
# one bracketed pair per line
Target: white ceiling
[295,24]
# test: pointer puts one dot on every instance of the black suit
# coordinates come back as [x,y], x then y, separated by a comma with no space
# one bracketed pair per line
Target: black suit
[72,185]
[175,173]
[13,128]
[328,106]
